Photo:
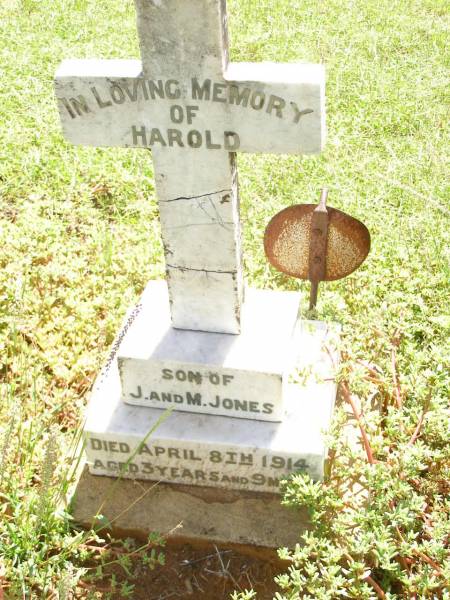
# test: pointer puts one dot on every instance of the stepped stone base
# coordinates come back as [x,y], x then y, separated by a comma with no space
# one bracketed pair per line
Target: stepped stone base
[208,477]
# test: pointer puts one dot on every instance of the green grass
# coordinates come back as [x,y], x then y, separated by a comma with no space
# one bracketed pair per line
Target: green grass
[79,230]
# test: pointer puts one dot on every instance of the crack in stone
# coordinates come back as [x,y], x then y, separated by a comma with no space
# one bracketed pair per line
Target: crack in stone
[201,270]
[216,217]
[223,224]
[194,197]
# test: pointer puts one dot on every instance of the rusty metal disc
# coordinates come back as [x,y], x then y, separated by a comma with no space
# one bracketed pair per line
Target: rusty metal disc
[287,242]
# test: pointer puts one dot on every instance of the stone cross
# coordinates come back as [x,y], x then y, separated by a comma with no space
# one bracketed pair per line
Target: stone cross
[194,109]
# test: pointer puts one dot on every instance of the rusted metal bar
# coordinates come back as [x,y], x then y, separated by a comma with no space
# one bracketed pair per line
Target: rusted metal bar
[318,247]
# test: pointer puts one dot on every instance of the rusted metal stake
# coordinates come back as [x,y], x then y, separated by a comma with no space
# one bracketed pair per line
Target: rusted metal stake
[318,247]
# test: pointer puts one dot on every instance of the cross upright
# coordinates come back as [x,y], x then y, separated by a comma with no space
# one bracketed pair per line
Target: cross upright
[194,109]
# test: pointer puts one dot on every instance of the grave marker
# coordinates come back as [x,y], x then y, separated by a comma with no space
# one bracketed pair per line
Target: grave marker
[195,110]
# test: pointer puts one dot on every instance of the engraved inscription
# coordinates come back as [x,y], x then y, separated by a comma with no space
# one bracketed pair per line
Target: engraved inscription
[149,90]
[196,376]
[144,137]
[195,389]
[196,399]
[205,464]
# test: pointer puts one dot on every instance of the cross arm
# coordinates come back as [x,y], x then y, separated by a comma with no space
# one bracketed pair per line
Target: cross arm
[92,96]
[285,111]
[266,107]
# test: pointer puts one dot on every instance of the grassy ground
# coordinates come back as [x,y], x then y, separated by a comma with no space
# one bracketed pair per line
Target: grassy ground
[79,233]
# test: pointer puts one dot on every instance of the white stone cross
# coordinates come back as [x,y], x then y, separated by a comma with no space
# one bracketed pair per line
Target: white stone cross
[195,110]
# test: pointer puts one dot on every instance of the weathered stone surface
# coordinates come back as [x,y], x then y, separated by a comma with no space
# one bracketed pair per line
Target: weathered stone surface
[136,508]
[110,103]
[237,376]
[194,110]
[206,450]
[198,204]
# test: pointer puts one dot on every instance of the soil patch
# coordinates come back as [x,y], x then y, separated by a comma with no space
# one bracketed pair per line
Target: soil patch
[207,572]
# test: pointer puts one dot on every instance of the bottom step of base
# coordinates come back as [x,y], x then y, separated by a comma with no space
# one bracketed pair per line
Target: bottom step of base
[137,508]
